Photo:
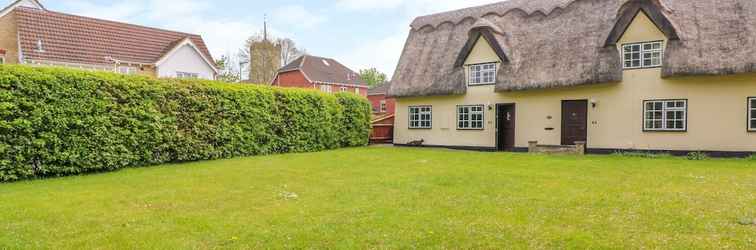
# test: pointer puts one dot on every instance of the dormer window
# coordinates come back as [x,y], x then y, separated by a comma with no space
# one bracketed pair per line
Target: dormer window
[642,55]
[482,74]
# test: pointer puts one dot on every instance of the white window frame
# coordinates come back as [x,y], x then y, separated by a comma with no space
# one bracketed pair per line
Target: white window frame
[2,59]
[343,89]
[357,91]
[326,88]
[466,117]
[751,114]
[643,51]
[186,75]
[421,117]
[383,106]
[126,70]
[650,115]
[481,74]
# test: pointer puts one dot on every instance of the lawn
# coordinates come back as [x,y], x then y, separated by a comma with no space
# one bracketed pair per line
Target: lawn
[381,197]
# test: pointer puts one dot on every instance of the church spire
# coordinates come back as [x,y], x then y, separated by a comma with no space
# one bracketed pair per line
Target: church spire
[265,27]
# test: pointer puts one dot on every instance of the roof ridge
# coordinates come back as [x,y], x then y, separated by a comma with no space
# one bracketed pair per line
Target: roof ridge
[301,63]
[108,21]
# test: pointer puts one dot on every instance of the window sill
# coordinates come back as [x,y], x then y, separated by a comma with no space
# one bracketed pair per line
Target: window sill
[471,129]
[633,69]
[665,131]
[480,84]
[420,128]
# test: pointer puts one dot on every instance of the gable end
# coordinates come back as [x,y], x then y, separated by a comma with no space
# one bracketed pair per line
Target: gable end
[628,14]
[476,34]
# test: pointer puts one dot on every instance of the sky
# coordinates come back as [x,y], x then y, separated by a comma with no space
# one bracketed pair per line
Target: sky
[359,33]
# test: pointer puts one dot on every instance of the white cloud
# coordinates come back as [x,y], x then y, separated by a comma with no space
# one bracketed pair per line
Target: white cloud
[222,35]
[384,54]
[120,11]
[370,4]
[411,7]
[297,15]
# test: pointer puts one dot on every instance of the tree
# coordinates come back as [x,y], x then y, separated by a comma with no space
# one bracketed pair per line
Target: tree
[372,77]
[289,50]
[226,73]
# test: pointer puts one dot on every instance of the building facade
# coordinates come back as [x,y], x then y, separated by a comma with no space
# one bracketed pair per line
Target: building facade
[30,34]
[380,102]
[324,74]
[383,118]
[617,75]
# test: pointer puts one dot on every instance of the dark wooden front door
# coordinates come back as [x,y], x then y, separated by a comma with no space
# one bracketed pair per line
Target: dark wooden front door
[574,121]
[505,127]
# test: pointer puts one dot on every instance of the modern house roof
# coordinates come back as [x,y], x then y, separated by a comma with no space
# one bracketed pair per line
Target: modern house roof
[324,70]
[52,36]
[560,43]
[380,89]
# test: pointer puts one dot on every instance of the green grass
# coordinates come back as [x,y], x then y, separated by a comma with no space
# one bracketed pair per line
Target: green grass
[392,198]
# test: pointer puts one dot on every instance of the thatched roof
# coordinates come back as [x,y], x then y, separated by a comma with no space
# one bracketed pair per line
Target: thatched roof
[562,43]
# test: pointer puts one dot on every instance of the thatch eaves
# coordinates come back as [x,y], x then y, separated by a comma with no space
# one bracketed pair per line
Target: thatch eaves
[562,43]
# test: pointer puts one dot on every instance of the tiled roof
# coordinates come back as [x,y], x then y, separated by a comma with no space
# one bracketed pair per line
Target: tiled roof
[75,39]
[380,89]
[327,70]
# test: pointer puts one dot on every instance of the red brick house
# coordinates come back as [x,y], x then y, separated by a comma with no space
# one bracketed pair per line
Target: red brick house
[324,74]
[383,114]
[381,104]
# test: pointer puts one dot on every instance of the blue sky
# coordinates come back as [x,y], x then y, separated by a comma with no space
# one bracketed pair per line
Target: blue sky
[359,33]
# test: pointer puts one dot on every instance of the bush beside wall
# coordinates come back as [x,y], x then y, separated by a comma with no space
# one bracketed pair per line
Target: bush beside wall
[56,122]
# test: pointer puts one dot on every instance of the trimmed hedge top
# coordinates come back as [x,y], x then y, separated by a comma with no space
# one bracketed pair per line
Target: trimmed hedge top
[56,122]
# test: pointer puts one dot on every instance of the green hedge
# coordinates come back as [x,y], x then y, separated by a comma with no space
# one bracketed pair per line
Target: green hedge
[56,122]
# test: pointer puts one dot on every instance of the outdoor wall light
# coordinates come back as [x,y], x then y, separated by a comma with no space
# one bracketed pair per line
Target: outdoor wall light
[594,102]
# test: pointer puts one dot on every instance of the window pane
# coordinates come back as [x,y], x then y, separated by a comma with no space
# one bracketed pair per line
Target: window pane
[753,124]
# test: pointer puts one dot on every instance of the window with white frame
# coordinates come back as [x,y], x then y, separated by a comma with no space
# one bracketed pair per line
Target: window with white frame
[186,75]
[326,88]
[642,55]
[752,114]
[482,74]
[126,70]
[470,117]
[343,89]
[420,117]
[665,115]
[357,91]
[383,106]
[2,60]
